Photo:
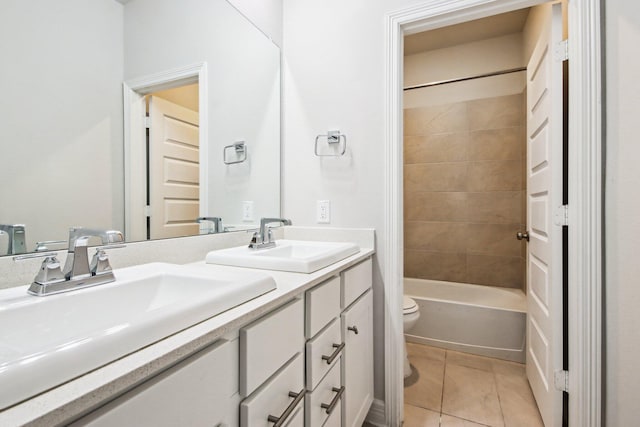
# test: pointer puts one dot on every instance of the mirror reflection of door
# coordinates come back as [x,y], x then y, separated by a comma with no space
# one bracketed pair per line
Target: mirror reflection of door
[173,182]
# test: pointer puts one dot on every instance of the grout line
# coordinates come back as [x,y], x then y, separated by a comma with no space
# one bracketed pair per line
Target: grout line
[444,375]
[465,419]
[495,379]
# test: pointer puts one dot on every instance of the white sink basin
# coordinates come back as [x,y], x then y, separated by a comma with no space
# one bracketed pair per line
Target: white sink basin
[289,255]
[45,341]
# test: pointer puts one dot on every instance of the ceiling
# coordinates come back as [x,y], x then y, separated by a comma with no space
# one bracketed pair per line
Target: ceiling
[480,29]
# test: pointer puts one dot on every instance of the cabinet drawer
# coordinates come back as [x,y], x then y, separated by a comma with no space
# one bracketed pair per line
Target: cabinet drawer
[297,418]
[328,343]
[355,282]
[276,396]
[268,343]
[326,399]
[322,304]
[199,391]
[335,419]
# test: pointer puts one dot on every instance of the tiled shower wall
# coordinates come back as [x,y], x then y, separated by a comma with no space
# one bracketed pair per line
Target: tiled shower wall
[464,192]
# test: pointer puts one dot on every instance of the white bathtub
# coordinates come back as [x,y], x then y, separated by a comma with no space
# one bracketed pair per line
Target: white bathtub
[482,320]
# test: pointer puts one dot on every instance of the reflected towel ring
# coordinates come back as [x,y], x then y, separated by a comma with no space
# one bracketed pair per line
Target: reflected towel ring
[240,149]
[332,137]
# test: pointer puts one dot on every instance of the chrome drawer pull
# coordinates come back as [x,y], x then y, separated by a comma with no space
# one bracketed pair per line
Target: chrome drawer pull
[279,421]
[353,328]
[338,349]
[331,406]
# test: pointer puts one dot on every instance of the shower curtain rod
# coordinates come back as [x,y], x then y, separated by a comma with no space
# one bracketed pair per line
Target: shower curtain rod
[463,79]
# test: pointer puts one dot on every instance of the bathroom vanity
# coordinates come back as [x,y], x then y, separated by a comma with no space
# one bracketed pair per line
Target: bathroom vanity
[299,355]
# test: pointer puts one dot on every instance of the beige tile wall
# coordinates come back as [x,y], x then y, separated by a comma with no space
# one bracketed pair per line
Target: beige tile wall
[464,192]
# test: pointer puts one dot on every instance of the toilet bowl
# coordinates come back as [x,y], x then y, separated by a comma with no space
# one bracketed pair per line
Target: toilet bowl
[410,316]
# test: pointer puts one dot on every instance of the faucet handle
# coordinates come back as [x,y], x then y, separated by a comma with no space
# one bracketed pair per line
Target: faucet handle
[99,263]
[254,240]
[50,271]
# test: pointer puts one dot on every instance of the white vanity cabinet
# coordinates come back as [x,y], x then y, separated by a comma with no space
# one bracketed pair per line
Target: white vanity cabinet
[307,363]
[339,349]
[272,368]
[357,333]
[201,390]
[323,353]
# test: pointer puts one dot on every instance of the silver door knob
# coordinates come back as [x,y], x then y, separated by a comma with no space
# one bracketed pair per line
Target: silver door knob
[522,236]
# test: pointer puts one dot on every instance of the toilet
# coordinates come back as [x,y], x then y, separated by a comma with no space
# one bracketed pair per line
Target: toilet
[410,315]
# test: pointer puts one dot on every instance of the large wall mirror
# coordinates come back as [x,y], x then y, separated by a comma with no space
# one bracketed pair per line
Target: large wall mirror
[138,115]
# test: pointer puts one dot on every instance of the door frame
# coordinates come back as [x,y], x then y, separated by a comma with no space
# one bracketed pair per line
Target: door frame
[585,194]
[135,179]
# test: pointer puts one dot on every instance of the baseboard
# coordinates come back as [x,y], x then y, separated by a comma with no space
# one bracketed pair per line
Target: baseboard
[376,417]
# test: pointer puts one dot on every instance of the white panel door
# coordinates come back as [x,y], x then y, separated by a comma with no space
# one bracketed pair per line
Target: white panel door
[544,194]
[174,170]
[357,362]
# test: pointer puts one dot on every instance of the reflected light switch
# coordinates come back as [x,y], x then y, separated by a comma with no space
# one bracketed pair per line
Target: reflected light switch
[247,210]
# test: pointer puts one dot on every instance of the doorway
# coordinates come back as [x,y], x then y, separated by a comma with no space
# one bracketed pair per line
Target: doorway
[190,173]
[483,163]
[583,193]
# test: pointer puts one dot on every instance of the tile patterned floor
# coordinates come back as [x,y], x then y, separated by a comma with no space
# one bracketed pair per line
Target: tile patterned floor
[455,389]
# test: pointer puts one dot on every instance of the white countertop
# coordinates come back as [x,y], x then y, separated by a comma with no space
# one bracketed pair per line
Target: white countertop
[89,391]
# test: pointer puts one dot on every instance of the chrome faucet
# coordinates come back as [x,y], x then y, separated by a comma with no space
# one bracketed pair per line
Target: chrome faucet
[217,222]
[77,265]
[17,238]
[78,272]
[263,238]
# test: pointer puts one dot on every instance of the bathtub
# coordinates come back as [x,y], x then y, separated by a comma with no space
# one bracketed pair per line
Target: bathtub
[482,320]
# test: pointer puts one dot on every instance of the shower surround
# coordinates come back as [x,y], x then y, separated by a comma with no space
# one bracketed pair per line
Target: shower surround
[464,191]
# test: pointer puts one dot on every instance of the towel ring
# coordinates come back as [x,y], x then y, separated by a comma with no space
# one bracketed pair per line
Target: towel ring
[332,137]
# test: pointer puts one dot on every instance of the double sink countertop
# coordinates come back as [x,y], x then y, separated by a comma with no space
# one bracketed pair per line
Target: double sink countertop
[92,389]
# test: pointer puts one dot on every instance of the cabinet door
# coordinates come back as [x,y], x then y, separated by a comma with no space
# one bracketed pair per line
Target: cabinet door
[202,390]
[357,368]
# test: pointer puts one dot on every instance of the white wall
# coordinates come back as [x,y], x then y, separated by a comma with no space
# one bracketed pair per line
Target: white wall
[334,78]
[61,151]
[243,86]
[622,210]
[265,14]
